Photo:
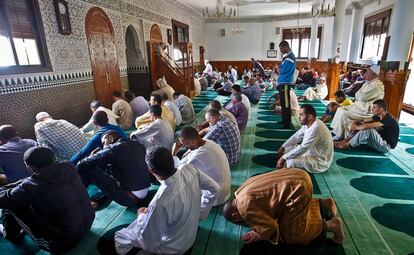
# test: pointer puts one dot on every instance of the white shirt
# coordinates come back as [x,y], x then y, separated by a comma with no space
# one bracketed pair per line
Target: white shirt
[175,111]
[158,132]
[315,141]
[170,224]
[234,74]
[209,69]
[112,117]
[294,104]
[197,87]
[185,105]
[212,160]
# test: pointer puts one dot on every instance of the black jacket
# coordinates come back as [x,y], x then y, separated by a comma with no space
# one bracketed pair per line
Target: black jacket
[125,162]
[57,198]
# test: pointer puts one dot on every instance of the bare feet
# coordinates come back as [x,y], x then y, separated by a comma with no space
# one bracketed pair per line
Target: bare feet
[342,145]
[335,226]
[329,204]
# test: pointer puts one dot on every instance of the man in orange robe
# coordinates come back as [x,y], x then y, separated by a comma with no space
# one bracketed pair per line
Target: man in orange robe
[278,206]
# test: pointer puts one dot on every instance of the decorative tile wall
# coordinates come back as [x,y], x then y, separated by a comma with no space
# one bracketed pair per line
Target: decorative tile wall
[70,102]
[67,91]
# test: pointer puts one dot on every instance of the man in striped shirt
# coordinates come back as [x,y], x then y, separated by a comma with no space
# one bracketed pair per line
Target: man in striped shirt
[225,133]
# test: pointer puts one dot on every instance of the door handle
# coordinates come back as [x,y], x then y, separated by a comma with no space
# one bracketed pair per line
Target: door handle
[107,78]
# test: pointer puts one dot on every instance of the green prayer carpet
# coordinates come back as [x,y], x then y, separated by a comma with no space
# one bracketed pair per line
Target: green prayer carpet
[385,187]
[371,165]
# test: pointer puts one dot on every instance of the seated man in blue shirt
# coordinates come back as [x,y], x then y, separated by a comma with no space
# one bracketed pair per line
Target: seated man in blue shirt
[253,91]
[12,148]
[119,170]
[100,119]
[51,206]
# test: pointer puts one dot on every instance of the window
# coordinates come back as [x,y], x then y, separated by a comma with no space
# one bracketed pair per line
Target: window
[300,43]
[375,32]
[21,38]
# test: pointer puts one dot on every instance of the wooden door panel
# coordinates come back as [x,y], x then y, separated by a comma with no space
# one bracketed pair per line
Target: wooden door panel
[99,68]
[112,63]
[102,49]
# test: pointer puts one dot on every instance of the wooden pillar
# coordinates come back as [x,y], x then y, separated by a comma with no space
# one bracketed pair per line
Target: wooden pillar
[201,63]
[333,79]
[395,82]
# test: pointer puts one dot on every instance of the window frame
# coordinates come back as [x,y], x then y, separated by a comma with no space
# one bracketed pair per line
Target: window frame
[318,36]
[46,65]
[375,18]
[185,28]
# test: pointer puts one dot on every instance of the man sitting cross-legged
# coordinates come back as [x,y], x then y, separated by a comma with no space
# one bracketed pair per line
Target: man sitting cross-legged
[245,100]
[209,157]
[185,105]
[203,127]
[253,91]
[279,208]
[52,205]
[167,115]
[225,133]
[119,170]
[239,110]
[12,149]
[169,224]
[97,106]
[61,136]
[373,89]
[158,132]
[379,132]
[173,108]
[317,93]
[100,119]
[122,108]
[311,147]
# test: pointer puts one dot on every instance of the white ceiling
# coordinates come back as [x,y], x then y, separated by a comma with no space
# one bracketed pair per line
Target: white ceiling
[259,8]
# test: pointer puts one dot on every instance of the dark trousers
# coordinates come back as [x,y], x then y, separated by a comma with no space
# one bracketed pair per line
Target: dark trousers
[223,92]
[16,220]
[106,244]
[284,93]
[108,185]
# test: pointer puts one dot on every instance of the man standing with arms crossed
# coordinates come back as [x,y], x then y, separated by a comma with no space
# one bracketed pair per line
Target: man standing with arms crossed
[285,81]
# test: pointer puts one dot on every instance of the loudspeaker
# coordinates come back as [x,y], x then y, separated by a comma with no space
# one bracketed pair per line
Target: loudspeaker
[223,32]
[278,30]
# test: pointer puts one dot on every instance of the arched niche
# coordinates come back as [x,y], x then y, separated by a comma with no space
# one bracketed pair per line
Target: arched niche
[134,54]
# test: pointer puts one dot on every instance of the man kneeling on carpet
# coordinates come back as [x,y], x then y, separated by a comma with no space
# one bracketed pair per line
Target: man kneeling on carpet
[379,132]
[311,147]
[51,205]
[169,224]
[278,207]
[119,171]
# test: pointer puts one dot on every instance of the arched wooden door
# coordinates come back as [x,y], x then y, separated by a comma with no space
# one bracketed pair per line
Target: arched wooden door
[102,50]
[155,38]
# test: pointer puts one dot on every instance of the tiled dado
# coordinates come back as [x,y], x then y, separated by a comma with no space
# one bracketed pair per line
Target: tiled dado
[68,101]
[42,81]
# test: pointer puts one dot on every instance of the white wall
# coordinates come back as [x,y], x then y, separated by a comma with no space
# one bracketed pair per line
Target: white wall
[256,39]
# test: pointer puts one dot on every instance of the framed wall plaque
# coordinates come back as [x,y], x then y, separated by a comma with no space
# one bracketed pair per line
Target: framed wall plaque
[271,53]
[62,17]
